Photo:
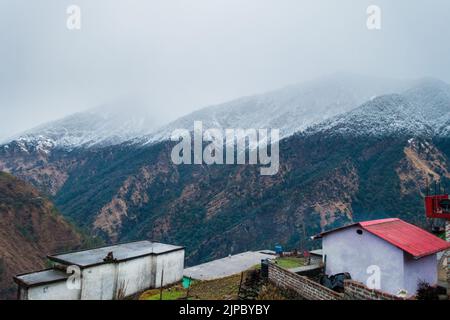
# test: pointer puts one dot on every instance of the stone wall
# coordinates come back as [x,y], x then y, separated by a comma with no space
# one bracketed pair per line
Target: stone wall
[305,287]
[312,290]
[354,290]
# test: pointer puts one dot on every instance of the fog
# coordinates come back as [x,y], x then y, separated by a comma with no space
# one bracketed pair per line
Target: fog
[180,55]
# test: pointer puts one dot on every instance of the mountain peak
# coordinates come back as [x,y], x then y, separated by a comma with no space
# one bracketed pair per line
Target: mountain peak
[431,98]
[384,115]
[291,109]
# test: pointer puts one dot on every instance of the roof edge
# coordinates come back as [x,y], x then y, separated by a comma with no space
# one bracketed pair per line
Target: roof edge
[415,257]
[320,235]
[23,284]
[68,263]
[107,246]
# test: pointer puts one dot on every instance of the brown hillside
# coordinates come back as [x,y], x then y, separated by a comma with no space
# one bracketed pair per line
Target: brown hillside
[30,228]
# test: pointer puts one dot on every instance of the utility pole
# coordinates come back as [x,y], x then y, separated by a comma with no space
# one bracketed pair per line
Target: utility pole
[187,293]
[240,285]
[161,286]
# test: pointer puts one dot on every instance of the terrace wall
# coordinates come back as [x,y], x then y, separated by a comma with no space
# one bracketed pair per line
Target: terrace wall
[305,287]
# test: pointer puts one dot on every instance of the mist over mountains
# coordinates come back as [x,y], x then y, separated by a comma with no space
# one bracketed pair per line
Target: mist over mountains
[108,124]
[312,105]
[290,109]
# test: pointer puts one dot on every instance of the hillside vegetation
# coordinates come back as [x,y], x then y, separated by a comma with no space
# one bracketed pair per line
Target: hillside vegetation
[30,228]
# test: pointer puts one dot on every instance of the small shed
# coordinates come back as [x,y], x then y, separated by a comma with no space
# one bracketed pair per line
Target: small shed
[105,273]
[388,254]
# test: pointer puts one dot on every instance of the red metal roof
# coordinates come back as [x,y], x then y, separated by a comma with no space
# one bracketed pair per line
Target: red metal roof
[408,237]
[414,240]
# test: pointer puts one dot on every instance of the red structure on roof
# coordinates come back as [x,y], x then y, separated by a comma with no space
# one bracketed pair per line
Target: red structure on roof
[414,240]
[437,206]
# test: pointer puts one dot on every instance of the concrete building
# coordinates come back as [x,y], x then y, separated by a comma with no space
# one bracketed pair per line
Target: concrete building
[389,254]
[104,273]
[316,257]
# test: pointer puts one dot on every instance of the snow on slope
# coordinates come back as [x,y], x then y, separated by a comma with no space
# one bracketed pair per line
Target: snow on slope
[422,110]
[384,115]
[290,109]
[431,100]
[105,125]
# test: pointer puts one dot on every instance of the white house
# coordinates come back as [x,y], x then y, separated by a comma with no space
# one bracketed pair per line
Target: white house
[389,254]
[105,273]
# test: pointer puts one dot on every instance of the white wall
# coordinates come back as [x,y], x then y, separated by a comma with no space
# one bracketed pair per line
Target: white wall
[423,269]
[173,265]
[135,275]
[104,281]
[98,282]
[53,291]
[347,251]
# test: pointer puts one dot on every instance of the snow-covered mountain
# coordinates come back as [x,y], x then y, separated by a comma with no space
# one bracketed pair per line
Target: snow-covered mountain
[290,109]
[431,100]
[384,115]
[422,110]
[109,124]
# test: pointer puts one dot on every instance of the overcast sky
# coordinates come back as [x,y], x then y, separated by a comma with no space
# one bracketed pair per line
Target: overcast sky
[185,54]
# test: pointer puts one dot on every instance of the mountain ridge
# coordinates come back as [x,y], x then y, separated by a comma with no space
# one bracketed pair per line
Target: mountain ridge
[290,109]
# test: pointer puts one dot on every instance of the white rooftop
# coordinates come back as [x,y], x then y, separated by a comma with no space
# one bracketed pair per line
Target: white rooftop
[41,277]
[120,252]
[228,266]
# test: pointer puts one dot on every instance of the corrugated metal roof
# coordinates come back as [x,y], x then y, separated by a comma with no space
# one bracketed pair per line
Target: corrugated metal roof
[411,239]
[408,237]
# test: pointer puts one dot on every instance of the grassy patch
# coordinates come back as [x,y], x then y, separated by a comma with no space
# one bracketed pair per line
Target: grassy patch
[172,293]
[290,262]
[256,267]
[219,289]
